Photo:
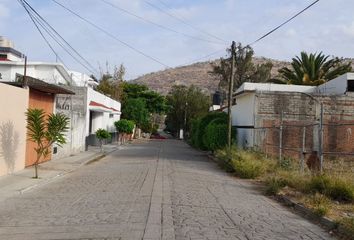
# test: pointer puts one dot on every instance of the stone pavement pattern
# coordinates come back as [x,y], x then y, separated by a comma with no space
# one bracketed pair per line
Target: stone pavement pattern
[150,190]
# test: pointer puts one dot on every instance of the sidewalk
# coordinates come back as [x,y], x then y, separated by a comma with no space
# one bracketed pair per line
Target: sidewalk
[22,181]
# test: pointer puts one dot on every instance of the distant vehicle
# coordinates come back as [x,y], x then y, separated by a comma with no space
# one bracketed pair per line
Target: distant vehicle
[157,136]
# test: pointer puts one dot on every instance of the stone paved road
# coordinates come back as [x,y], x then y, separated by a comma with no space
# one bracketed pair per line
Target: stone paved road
[152,190]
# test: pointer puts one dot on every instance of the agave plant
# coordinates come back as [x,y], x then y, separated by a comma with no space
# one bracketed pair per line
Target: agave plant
[45,130]
[313,69]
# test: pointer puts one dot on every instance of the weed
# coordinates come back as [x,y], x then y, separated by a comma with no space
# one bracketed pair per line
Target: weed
[320,204]
[274,185]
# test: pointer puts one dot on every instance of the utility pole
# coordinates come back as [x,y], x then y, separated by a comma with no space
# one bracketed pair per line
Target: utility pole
[231,90]
[25,80]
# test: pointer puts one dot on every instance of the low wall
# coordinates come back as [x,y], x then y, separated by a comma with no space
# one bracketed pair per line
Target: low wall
[13,105]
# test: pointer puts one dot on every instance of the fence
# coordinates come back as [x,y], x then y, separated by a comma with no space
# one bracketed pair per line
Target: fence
[331,142]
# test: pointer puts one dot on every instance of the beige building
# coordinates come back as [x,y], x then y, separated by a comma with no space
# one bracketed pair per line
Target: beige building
[13,105]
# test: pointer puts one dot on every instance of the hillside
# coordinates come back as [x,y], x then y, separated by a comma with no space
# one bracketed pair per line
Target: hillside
[197,74]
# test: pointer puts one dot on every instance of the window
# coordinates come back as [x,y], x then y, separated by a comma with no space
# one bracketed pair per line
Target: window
[4,56]
[350,86]
[110,115]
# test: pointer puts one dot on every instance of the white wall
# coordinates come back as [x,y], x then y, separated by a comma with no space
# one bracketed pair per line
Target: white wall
[337,86]
[13,105]
[104,121]
[243,117]
[243,111]
[46,72]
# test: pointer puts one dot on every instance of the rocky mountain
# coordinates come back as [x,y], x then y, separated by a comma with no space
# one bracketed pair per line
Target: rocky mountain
[197,74]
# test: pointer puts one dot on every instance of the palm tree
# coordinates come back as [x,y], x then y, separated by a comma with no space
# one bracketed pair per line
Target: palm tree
[312,69]
[45,130]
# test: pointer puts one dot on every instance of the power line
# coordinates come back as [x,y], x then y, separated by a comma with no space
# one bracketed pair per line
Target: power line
[110,34]
[41,33]
[59,39]
[276,28]
[182,20]
[263,36]
[157,24]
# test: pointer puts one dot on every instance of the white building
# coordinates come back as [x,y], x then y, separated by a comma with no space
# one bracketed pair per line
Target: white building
[88,110]
[244,113]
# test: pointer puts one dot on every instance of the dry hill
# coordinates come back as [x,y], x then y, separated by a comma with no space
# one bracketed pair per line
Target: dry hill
[197,74]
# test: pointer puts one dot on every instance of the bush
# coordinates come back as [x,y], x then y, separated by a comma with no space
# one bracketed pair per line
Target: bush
[194,132]
[203,125]
[247,169]
[215,135]
[102,134]
[124,126]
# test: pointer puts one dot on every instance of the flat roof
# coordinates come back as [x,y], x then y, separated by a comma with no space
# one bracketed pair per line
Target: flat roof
[272,87]
[39,85]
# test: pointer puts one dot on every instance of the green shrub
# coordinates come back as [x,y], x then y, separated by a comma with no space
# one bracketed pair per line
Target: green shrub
[319,184]
[203,125]
[194,132]
[274,185]
[215,135]
[340,190]
[247,169]
[124,126]
[102,134]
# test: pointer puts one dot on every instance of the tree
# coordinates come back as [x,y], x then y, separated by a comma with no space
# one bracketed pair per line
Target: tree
[313,69]
[135,109]
[102,134]
[45,130]
[185,104]
[244,67]
[111,85]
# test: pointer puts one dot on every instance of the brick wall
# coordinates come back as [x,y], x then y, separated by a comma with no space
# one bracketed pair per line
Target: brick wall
[298,111]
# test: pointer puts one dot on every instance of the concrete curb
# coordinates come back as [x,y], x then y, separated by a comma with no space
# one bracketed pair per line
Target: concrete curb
[325,222]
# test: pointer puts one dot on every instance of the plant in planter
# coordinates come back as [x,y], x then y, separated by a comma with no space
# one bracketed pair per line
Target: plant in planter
[102,134]
[124,127]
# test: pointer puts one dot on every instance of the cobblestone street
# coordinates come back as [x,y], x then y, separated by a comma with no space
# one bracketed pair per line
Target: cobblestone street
[150,190]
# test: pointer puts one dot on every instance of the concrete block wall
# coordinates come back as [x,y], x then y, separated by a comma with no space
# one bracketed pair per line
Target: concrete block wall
[301,111]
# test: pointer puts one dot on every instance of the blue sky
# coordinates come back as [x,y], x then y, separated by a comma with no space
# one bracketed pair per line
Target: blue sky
[328,26]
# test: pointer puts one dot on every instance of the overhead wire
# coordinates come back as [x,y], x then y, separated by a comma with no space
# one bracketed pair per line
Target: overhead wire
[180,19]
[281,25]
[266,34]
[41,33]
[109,34]
[159,25]
[68,48]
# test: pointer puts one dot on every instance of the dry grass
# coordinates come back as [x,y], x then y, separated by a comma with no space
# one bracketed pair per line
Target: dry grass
[330,194]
